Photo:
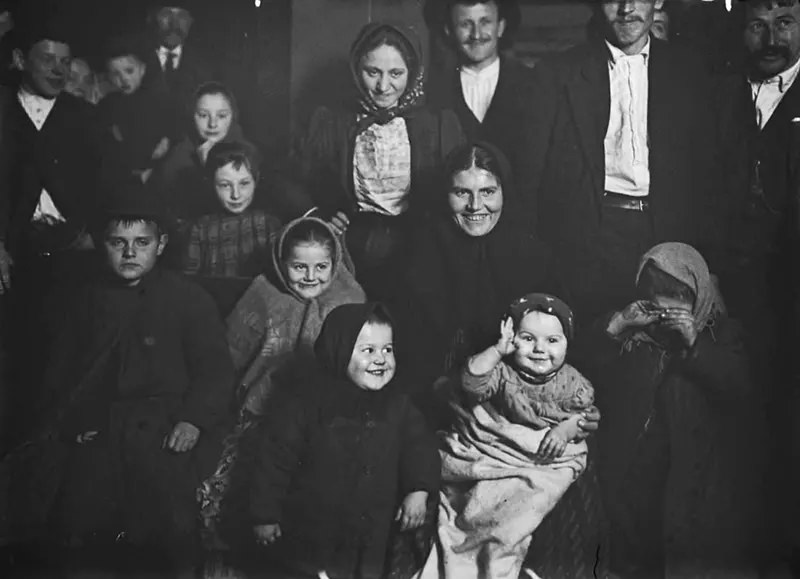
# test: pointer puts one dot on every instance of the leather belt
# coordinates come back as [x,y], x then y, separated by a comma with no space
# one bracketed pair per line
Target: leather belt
[627,202]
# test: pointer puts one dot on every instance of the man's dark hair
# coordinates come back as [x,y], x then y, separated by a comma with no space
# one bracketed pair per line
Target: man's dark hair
[654,282]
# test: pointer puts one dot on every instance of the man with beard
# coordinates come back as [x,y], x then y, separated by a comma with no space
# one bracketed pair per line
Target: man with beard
[49,160]
[760,108]
[624,151]
[489,91]
[172,64]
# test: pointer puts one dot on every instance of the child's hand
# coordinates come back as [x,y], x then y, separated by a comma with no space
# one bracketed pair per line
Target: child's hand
[681,321]
[505,345]
[554,444]
[636,315]
[411,513]
[161,149]
[339,223]
[202,150]
[267,534]
[182,438]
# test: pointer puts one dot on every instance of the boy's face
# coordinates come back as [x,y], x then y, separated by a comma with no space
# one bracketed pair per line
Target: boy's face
[46,67]
[126,72]
[132,250]
[372,364]
[235,187]
[476,31]
[541,344]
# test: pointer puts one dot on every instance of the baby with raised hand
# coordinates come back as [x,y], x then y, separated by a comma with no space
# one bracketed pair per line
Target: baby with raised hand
[525,375]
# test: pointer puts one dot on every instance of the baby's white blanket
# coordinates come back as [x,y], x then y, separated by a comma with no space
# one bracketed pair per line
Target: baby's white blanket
[495,494]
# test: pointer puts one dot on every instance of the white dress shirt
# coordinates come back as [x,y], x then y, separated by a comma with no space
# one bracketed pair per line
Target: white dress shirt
[164,53]
[382,168]
[627,152]
[478,88]
[768,94]
[38,109]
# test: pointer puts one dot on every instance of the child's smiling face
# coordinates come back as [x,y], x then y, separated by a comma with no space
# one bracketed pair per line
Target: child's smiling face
[541,344]
[309,269]
[372,364]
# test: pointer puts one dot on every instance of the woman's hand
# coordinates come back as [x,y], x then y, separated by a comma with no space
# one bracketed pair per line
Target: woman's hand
[505,345]
[588,423]
[202,150]
[267,534]
[411,513]
[339,223]
[636,315]
[682,322]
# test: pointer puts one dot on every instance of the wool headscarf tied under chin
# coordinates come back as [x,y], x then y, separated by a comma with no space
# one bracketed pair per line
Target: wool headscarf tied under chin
[547,304]
[371,113]
[334,346]
[684,263]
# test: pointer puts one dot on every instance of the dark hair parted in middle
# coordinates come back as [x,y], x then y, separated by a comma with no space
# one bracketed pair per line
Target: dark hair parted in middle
[211,88]
[236,153]
[308,231]
[478,155]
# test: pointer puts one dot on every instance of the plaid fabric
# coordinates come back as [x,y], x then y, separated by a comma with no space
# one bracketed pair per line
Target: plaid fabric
[225,245]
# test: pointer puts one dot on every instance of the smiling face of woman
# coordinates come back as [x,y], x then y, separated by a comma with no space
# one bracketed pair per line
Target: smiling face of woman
[476,201]
[384,74]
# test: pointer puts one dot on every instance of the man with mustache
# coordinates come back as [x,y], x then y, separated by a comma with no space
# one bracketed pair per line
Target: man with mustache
[624,150]
[489,91]
[49,160]
[173,65]
[760,107]
[625,159]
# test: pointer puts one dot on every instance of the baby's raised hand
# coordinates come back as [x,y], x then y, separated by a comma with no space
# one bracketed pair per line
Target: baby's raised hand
[267,534]
[411,513]
[505,345]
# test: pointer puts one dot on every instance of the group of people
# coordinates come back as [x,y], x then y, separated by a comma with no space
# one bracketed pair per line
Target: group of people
[473,327]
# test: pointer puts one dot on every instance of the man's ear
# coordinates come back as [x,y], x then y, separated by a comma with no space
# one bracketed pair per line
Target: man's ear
[19,59]
[163,240]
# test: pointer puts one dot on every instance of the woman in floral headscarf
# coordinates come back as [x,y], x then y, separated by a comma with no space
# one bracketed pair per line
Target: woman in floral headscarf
[680,457]
[372,169]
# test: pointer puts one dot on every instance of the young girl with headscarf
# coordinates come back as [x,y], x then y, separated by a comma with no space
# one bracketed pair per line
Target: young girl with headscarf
[680,456]
[373,168]
[345,459]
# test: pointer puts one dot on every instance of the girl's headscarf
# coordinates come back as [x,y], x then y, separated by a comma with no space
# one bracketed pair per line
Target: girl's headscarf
[334,346]
[410,99]
[684,263]
[547,304]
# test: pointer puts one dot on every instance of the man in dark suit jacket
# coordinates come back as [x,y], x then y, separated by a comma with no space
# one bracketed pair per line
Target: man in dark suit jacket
[490,92]
[49,161]
[173,64]
[624,153]
[759,104]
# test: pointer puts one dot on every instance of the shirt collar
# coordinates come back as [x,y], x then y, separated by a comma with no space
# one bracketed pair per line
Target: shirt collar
[617,54]
[783,80]
[490,71]
[164,51]
[28,97]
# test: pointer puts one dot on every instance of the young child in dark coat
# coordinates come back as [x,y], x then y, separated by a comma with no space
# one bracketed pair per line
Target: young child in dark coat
[138,121]
[345,460]
[680,453]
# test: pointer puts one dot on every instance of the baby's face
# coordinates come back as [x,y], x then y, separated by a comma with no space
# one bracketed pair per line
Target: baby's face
[541,344]
[372,364]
